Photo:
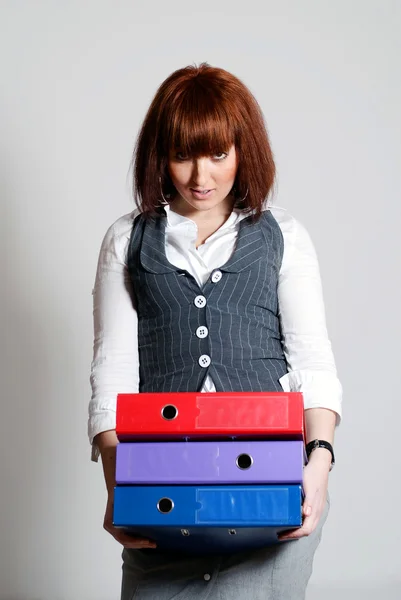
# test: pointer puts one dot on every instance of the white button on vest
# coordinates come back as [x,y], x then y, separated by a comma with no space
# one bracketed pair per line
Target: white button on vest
[206,577]
[200,301]
[216,276]
[204,360]
[202,332]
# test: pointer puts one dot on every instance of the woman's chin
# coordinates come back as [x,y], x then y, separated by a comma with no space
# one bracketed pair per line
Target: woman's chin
[207,203]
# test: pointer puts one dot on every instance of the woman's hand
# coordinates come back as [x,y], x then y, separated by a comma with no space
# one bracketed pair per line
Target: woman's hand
[107,443]
[316,476]
[128,541]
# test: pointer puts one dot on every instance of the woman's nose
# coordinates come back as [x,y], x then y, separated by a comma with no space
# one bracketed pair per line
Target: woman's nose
[199,172]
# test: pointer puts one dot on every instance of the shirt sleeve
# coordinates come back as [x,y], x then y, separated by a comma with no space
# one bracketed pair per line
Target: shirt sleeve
[306,344]
[115,364]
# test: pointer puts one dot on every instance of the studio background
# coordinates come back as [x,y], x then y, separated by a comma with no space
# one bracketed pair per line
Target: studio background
[76,80]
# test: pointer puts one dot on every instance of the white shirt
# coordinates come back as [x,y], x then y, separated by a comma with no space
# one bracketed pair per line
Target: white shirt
[307,348]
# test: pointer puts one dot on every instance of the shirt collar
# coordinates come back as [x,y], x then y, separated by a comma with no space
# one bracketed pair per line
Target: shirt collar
[174,219]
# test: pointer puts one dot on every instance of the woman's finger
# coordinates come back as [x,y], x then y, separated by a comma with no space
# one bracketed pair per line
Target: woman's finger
[307,508]
[128,541]
[311,518]
[137,543]
[306,529]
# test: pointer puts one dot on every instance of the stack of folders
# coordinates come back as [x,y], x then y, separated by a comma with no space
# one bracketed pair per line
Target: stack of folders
[209,472]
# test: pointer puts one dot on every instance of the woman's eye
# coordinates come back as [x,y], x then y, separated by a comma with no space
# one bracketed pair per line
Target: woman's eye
[181,156]
[220,155]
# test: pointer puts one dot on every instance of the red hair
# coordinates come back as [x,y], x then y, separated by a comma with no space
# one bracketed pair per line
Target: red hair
[202,111]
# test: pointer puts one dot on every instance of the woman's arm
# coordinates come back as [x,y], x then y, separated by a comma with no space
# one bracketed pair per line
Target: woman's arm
[320,424]
[307,347]
[310,360]
[115,364]
[106,443]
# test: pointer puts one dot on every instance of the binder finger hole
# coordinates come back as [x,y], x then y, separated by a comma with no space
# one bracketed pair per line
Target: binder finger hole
[169,412]
[244,461]
[165,505]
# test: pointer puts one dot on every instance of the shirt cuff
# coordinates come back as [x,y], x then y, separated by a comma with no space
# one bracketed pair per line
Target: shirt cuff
[320,389]
[98,422]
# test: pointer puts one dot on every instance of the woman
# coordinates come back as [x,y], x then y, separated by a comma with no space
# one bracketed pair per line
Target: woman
[203,171]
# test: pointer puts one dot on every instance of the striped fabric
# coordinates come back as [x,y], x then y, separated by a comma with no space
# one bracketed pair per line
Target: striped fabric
[228,329]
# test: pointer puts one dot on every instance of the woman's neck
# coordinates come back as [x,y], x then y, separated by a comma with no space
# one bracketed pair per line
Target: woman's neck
[207,221]
[217,215]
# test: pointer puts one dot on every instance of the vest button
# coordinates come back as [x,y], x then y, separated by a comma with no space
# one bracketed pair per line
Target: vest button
[204,360]
[216,276]
[202,332]
[206,577]
[200,301]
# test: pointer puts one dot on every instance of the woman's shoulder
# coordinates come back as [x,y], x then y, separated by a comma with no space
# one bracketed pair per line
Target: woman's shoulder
[295,234]
[285,220]
[117,235]
[124,223]
[281,214]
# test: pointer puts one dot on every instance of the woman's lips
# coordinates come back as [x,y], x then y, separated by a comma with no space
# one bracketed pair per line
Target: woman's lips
[200,195]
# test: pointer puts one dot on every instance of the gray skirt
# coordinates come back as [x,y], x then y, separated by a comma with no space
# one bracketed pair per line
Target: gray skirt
[278,572]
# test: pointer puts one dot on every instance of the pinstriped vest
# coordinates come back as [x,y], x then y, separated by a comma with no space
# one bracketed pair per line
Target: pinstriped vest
[237,309]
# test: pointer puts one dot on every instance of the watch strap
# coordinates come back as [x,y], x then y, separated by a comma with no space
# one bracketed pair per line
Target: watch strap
[320,444]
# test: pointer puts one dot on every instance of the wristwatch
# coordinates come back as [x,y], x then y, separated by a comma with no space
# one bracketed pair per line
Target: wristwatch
[311,446]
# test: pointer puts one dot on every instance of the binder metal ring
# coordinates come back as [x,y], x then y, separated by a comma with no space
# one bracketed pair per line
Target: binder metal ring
[165,505]
[244,461]
[169,412]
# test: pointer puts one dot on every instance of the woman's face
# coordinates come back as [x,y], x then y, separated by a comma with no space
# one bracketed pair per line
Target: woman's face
[204,183]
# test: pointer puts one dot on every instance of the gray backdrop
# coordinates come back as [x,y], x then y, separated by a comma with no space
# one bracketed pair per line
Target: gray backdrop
[77,77]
